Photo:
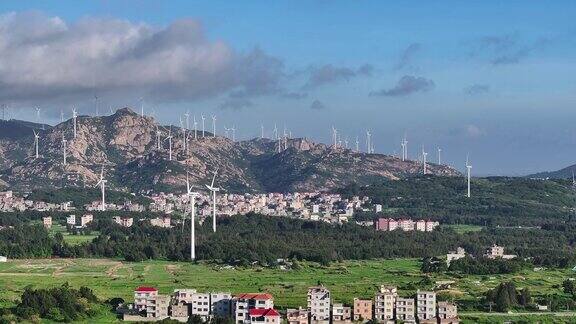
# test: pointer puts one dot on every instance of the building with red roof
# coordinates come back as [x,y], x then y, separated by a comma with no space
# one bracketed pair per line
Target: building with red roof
[142,295]
[266,315]
[243,303]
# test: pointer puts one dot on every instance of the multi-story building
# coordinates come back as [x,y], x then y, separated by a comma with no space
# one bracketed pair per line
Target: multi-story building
[495,252]
[297,316]
[123,221]
[362,310]
[264,316]
[142,295]
[318,299]
[447,313]
[71,220]
[161,222]
[405,310]
[425,305]
[201,305]
[86,219]
[47,222]
[157,306]
[341,314]
[455,255]
[180,310]
[384,303]
[243,303]
[431,225]
[220,304]
[406,225]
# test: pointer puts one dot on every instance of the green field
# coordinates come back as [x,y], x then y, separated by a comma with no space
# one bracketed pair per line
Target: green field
[346,280]
[464,228]
[69,238]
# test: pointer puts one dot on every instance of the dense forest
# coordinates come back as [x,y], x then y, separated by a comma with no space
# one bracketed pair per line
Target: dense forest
[494,201]
[244,239]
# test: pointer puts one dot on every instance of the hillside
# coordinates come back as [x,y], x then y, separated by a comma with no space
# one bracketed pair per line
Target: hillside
[494,201]
[565,173]
[126,146]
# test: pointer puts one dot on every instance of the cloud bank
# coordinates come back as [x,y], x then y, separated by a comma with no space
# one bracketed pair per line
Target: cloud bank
[44,59]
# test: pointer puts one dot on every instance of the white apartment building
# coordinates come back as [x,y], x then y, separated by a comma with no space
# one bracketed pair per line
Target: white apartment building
[405,310]
[319,304]
[243,303]
[384,303]
[425,305]
[142,295]
[201,305]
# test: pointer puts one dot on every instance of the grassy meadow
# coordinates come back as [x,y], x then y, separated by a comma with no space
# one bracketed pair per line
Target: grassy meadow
[112,278]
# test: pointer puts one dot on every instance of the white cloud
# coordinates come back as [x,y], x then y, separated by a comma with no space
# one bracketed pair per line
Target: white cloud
[45,59]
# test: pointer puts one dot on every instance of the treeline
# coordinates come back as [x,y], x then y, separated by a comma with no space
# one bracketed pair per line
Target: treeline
[59,304]
[505,297]
[495,200]
[248,238]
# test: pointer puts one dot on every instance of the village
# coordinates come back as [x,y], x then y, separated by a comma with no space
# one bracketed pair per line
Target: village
[387,306]
[316,206]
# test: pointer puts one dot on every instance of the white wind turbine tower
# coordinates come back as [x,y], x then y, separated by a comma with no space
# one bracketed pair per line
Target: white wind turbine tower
[226,129]
[141,107]
[439,156]
[195,128]
[64,141]
[61,115]
[187,116]
[262,131]
[334,136]
[357,145]
[346,142]
[368,145]
[169,139]
[102,184]
[214,190]
[213,125]
[158,135]
[424,155]
[233,129]
[74,117]
[468,168]
[203,118]
[403,145]
[36,142]
[96,105]
[192,199]
[184,138]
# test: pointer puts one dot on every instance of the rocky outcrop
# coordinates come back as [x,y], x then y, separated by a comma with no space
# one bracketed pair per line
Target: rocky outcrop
[125,145]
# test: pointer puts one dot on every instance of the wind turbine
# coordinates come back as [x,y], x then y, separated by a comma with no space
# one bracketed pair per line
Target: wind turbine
[158,134]
[187,116]
[102,183]
[357,145]
[261,131]
[424,155]
[203,118]
[74,116]
[403,145]
[213,125]
[64,141]
[169,138]
[468,168]
[192,198]
[195,128]
[346,142]
[233,129]
[61,115]
[439,156]
[368,146]
[214,190]
[36,141]
[334,136]
[184,139]
[275,132]
[226,131]
[141,107]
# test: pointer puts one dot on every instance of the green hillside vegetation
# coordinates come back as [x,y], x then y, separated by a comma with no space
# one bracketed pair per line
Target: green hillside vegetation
[495,200]
[244,239]
[82,196]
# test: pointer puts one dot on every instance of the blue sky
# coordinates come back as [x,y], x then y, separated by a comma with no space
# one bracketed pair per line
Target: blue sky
[492,78]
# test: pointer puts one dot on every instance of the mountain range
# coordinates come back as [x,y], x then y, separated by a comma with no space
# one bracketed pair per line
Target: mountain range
[133,152]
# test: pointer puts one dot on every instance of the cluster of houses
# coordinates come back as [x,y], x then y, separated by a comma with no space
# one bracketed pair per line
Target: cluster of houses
[258,308]
[493,252]
[164,222]
[71,221]
[390,224]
